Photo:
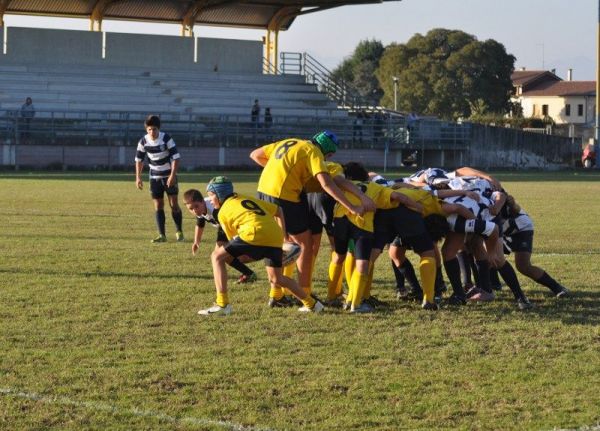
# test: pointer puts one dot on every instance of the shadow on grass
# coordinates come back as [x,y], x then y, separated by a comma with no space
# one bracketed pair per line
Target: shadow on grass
[128,176]
[108,274]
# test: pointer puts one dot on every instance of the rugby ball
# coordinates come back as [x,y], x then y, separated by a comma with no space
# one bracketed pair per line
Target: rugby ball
[291,251]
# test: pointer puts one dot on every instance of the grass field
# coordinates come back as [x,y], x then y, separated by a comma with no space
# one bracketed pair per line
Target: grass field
[98,327]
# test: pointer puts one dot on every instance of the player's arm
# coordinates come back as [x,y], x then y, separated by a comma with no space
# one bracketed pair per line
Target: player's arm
[198,231]
[173,177]
[499,201]
[345,184]
[466,171]
[407,202]
[403,185]
[259,156]
[335,192]
[452,193]
[457,209]
[139,167]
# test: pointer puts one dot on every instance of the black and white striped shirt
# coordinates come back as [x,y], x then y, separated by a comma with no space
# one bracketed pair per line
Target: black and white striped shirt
[160,153]
[211,215]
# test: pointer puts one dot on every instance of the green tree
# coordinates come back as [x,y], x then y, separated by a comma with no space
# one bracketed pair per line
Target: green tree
[447,73]
[358,70]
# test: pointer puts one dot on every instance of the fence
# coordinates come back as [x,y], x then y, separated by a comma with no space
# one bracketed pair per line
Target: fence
[382,139]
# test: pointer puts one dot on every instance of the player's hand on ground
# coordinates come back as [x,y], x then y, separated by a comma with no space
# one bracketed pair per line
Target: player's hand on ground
[139,184]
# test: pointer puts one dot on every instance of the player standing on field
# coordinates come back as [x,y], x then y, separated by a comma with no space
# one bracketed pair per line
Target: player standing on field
[163,159]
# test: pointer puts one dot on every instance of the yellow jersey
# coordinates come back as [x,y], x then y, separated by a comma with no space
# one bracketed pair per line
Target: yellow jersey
[431,204]
[252,220]
[380,195]
[291,163]
[314,186]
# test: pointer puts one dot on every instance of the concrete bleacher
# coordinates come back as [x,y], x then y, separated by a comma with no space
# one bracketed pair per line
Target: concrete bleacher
[81,88]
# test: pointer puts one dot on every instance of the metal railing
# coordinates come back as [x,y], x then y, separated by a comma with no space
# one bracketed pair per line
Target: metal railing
[125,128]
[345,96]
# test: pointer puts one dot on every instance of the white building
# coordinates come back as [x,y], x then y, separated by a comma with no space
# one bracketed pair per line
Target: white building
[543,94]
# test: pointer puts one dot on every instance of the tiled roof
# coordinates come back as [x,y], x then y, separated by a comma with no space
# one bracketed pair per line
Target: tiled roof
[522,77]
[563,88]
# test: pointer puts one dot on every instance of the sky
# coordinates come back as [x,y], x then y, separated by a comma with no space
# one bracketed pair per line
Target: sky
[541,34]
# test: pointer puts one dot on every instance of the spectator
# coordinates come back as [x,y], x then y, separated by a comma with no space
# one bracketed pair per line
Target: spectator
[357,127]
[254,118]
[27,113]
[255,113]
[268,123]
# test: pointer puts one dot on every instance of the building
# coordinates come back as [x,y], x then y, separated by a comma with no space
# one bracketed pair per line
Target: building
[543,94]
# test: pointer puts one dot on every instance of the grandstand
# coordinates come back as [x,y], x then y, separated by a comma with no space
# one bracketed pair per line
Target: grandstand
[80,88]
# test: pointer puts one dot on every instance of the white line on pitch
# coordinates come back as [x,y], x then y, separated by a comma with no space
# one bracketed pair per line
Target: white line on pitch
[92,405]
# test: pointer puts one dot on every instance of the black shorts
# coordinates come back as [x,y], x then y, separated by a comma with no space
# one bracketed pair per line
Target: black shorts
[158,187]
[295,214]
[418,243]
[221,237]
[521,241]
[398,222]
[344,231]
[320,209]
[272,255]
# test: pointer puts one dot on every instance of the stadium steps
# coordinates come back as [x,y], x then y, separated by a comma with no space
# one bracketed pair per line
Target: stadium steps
[64,88]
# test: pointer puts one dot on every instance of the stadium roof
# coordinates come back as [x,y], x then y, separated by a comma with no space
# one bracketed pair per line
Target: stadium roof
[259,14]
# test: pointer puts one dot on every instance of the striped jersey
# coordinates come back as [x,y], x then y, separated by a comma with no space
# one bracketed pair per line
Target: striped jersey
[211,215]
[160,153]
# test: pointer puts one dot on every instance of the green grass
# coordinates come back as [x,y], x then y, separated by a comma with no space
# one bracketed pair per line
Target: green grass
[98,327]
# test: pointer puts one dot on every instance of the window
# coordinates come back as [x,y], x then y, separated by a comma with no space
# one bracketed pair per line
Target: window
[544,110]
[568,110]
[580,110]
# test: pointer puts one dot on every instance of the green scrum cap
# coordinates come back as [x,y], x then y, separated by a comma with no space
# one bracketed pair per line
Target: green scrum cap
[327,141]
[220,186]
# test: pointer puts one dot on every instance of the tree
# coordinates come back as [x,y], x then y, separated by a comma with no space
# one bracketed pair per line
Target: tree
[358,70]
[447,73]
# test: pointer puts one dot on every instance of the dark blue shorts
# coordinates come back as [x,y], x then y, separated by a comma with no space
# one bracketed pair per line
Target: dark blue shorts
[295,214]
[344,231]
[272,255]
[158,188]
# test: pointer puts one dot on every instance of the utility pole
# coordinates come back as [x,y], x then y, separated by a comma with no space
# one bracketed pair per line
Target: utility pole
[597,128]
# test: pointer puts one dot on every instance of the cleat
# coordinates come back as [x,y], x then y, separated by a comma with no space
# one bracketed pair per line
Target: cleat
[216,310]
[179,236]
[473,290]
[483,296]
[374,302]
[347,306]
[363,308]
[244,279]
[317,308]
[284,302]
[159,238]
[457,300]
[524,304]
[335,302]
[437,300]
[402,294]
[430,306]
[563,293]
